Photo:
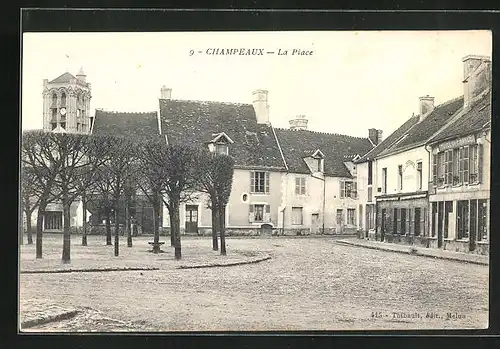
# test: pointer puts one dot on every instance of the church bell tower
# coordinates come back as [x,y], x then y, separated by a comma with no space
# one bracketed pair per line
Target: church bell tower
[66,104]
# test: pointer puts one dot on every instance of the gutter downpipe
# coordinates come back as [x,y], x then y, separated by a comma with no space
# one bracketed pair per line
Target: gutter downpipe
[324,199]
[429,172]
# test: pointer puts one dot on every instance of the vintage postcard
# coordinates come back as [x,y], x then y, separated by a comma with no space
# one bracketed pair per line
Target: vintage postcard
[255,181]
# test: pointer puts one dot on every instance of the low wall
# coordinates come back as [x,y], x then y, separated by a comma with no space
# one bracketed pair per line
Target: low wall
[463,246]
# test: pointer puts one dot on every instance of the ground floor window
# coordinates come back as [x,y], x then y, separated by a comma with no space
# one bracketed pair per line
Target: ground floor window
[403,223]
[297,216]
[351,216]
[434,219]
[448,210]
[463,219]
[370,211]
[339,216]
[53,220]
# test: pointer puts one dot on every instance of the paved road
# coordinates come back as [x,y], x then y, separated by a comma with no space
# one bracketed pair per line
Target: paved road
[310,284]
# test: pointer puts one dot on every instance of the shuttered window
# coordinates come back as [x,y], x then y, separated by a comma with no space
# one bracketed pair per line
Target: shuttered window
[259,182]
[300,185]
[434,169]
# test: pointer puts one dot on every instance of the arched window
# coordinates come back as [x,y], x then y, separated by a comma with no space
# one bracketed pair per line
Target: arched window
[54,99]
[63,99]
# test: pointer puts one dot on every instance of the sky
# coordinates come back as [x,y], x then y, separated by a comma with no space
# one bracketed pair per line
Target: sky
[353,81]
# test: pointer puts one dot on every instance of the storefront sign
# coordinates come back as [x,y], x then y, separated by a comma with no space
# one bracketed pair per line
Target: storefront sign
[456,143]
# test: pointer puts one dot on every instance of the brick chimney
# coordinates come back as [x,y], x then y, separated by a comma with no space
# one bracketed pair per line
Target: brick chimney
[299,123]
[477,77]
[426,106]
[165,93]
[261,106]
[375,135]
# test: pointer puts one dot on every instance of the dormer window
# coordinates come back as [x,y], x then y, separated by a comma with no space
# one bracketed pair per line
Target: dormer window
[220,143]
[222,149]
[319,159]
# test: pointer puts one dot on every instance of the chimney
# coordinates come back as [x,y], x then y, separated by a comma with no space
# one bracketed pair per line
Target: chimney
[426,106]
[260,106]
[299,123]
[375,135]
[477,76]
[166,93]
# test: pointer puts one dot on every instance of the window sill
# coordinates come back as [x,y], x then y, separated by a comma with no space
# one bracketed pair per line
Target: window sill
[482,242]
[260,194]
[462,240]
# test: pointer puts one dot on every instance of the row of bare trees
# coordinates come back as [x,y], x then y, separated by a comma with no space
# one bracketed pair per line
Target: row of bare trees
[62,168]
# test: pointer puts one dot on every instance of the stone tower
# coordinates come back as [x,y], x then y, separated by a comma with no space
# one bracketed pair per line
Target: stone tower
[66,104]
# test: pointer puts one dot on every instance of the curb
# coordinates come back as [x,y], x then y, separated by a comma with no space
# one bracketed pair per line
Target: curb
[223,265]
[41,321]
[84,270]
[412,253]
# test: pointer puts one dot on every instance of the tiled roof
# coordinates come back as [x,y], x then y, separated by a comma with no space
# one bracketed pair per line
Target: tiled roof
[66,77]
[422,131]
[472,121]
[391,139]
[135,126]
[300,143]
[195,122]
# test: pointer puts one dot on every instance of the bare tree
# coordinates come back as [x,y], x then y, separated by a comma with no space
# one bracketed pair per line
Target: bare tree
[224,168]
[29,198]
[119,169]
[174,170]
[38,151]
[214,171]
[80,155]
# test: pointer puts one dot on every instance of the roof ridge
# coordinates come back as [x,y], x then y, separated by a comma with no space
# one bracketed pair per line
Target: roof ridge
[126,112]
[321,132]
[206,102]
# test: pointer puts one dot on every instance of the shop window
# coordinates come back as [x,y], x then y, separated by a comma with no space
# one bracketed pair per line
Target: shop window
[463,219]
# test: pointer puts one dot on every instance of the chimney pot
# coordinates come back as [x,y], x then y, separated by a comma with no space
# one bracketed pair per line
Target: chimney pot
[477,76]
[261,106]
[298,123]
[426,106]
[165,92]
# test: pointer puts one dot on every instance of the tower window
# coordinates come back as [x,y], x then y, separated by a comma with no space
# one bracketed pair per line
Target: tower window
[63,99]
[54,99]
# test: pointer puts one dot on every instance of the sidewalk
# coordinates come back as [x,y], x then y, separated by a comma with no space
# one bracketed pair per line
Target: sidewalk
[418,251]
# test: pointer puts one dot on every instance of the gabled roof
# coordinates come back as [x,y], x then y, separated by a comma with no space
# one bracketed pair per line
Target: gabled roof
[195,122]
[474,120]
[420,132]
[390,140]
[223,136]
[66,77]
[136,126]
[296,143]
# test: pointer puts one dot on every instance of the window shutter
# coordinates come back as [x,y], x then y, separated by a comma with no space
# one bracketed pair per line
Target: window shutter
[434,169]
[354,190]
[252,181]
[267,183]
[297,185]
[267,214]
[342,189]
[480,163]
[250,213]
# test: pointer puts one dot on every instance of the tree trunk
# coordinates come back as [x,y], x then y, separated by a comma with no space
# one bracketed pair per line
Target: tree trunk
[28,226]
[66,229]
[117,229]
[175,226]
[222,223]
[156,236]
[215,244]
[127,224]
[172,232]
[84,234]
[108,226]
[39,227]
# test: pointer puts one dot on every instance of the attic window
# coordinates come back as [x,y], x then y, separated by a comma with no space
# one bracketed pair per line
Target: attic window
[222,148]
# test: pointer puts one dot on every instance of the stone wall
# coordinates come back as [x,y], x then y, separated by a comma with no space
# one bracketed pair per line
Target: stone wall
[463,246]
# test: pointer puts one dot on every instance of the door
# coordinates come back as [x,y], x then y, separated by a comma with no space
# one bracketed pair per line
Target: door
[191,218]
[360,220]
[53,220]
[382,225]
[314,223]
[440,220]
[417,221]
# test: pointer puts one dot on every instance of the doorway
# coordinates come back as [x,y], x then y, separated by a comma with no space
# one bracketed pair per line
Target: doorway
[382,225]
[191,218]
[417,221]
[314,223]
[440,219]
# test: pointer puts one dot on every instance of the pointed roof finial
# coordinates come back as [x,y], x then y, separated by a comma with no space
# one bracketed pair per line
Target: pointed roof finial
[80,72]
